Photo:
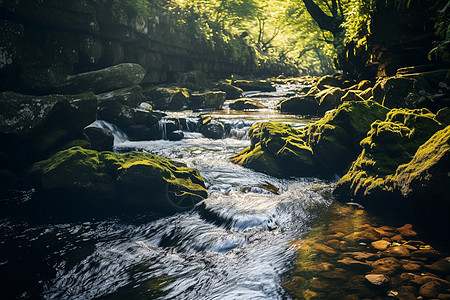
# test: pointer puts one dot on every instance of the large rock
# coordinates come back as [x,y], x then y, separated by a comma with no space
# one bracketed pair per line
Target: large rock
[254,85]
[167,98]
[104,80]
[244,103]
[323,148]
[127,96]
[405,160]
[329,99]
[207,100]
[33,127]
[98,183]
[302,105]
[101,139]
[213,130]
[232,91]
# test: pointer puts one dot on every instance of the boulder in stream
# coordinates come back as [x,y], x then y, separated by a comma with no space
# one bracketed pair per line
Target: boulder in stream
[104,80]
[244,103]
[302,105]
[207,100]
[90,183]
[324,148]
[167,98]
[254,85]
[101,139]
[233,92]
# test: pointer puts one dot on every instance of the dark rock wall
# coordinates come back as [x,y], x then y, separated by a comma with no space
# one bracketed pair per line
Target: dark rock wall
[41,42]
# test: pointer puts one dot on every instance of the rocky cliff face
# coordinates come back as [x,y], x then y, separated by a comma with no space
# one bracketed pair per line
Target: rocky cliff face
[42,42]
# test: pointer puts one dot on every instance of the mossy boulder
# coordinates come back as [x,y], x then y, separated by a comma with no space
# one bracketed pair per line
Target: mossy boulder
[207,100]
[244,103]
[302,105]
[329,99]
[389,144]
[323,148]
[167,98]
[104,80]
[77,180]
[233,92]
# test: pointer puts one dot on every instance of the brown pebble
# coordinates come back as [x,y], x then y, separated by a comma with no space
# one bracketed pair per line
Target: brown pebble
[336,244]
[430,289]
[397,238]
[381,245]
[441,266]
[406,296]
[377,279]
[362,255]
[325,249]
[407,231]
[444,296]
[397,251]
[387,265]
[425,254]
[367,235]
[411,265]
[355,264]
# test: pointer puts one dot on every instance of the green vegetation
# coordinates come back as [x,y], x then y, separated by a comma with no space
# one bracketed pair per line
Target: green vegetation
[314,36]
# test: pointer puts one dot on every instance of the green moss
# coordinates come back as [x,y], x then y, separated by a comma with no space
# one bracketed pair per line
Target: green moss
[133,178]
[389,144]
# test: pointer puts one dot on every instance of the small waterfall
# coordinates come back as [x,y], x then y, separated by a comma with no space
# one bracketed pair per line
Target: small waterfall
[119,135]
[237,129]
[163,128]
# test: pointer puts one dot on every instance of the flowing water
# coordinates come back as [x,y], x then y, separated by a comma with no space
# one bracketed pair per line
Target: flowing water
[233,245]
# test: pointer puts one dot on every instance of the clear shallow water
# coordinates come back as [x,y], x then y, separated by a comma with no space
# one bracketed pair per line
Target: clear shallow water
[233,245]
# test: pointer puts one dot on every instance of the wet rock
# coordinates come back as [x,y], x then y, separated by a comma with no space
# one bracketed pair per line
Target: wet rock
[104,80]
[406,296]
[107,182]
[411,265]
[388,266]
[336,274]
[407,231]
[329,81]
[442,266]
[207,100]
[167,98]
[302,105]
[362,255]
[377,279]
[385,232]
[213,130]
[333,243]
[139,132]
[380,245]
[354,265]
[232,91]
[443,296]
[397,251]
[325,249]
[425,253]
[430,289]
[254,85]
[101,139]
[176,135]
[367,235]
[242,104]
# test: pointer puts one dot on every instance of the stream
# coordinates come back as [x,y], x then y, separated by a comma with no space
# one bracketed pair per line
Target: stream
[233,245]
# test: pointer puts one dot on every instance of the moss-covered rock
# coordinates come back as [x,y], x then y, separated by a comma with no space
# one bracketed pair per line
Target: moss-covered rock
[329,99]
[389,144]
[323,148]
[100,182]
[233,92]
[194,80]
[244,103]
[167,98]
[302,105]
[207,100]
